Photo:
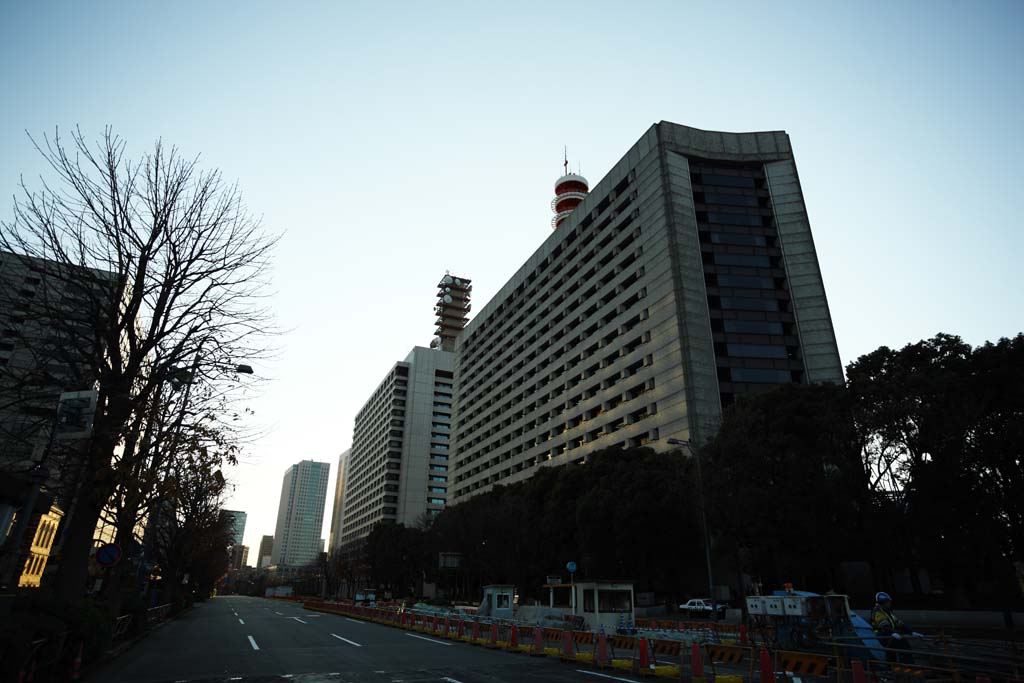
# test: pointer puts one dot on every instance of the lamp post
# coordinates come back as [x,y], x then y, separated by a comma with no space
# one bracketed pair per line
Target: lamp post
[703,520]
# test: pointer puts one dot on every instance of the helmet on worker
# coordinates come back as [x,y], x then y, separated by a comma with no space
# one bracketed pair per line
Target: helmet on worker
[881,597]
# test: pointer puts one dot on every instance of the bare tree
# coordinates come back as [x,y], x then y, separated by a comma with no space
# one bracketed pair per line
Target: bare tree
[170,272]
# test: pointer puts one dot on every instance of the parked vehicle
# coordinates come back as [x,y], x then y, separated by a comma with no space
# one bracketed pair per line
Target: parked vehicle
[701,607]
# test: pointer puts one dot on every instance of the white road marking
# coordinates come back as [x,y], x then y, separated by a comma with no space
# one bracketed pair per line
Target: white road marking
[613,678]
[450,680]
[241,622]
[279,614]
[313,616]
[253,643]
[350,642]
[300,620]
[429,640]
[354,621]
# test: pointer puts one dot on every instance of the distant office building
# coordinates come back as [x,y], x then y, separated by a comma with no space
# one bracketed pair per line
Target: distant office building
[337,511]
[686,277]
[398,467]
[266,552]
[237,520]
[239,556]
[300,515]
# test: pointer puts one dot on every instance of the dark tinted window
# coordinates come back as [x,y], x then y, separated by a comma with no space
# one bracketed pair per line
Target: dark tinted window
[753,326]
[746,304]
[726,180]
[736,238]
[759,375]
[743,260]
[756,351]
[734,218]
[733,199]
[751,281]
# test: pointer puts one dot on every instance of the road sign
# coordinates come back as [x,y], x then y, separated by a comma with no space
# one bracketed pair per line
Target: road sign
[108,555]
[570,567]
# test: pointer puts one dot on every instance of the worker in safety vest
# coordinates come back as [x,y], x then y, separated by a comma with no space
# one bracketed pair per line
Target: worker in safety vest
[890,630]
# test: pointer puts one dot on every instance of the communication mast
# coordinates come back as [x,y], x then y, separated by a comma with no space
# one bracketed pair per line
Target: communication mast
[452,310]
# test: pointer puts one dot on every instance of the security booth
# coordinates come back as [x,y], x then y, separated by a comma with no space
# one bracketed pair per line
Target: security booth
[596,604]
[498,602]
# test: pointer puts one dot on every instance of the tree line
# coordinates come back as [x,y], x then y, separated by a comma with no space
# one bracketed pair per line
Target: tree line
[913,469]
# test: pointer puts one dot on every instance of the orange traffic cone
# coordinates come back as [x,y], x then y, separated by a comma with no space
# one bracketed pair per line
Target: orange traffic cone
[644,664]
[567,645]
[696,662]
[513,639]
[493,640]
[447,628]
[601,657]
[434,628]
[476,631]
[460,629]
[538,641]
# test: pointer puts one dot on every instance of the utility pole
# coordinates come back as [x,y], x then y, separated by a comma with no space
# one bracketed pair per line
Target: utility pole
[703,520]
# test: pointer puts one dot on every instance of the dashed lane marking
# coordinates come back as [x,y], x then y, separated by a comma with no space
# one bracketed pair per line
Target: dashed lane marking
[241,622]
[350,642]
[299,620]
[253,643]
[354,621]
[429,640]
[612,678]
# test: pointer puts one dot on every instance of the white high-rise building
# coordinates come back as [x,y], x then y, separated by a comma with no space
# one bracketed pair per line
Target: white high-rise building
[398,467]
[300,515]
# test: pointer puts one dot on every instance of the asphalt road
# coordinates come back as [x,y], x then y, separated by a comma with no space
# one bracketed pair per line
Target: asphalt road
[250,640]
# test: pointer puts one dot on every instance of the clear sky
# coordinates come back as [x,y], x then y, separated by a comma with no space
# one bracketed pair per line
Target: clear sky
[391,141]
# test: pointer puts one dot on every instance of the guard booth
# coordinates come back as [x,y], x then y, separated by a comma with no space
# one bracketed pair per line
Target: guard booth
[595,604]
[498,602]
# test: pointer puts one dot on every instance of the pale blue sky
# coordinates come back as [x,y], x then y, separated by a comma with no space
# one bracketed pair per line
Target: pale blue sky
[390,141]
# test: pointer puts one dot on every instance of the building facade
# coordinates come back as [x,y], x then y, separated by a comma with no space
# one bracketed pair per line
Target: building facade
[266,552]
[300,514]
[687,276]
[236,520]
[239,556]
[398,467]
[337,511]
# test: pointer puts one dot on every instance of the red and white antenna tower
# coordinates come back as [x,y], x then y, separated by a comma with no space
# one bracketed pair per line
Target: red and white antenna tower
[570,190]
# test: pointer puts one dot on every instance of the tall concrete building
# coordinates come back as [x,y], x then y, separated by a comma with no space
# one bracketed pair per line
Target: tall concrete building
[239,555]
[300,514]
[236,519]
[263,559]
[337,512]
[686,277]
[398,468]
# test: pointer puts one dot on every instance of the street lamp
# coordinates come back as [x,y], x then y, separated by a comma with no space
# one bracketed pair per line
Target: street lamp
[703,520]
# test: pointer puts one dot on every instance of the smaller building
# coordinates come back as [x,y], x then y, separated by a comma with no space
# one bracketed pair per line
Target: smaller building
[265,553]
[239,555]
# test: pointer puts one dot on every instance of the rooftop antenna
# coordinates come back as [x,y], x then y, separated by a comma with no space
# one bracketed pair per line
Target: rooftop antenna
[565,157]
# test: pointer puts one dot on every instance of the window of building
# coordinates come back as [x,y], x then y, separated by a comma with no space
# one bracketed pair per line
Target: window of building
[733,199]
[435,501]
[614,600]
[751,260]
[735,218]
[757,351]
[737,238]
[749,304]
[749,281]
[438,489]
[761,375]
[727,180]
[753,326]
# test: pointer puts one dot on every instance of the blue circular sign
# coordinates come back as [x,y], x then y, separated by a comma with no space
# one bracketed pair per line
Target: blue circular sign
[571,567]
[108,555]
